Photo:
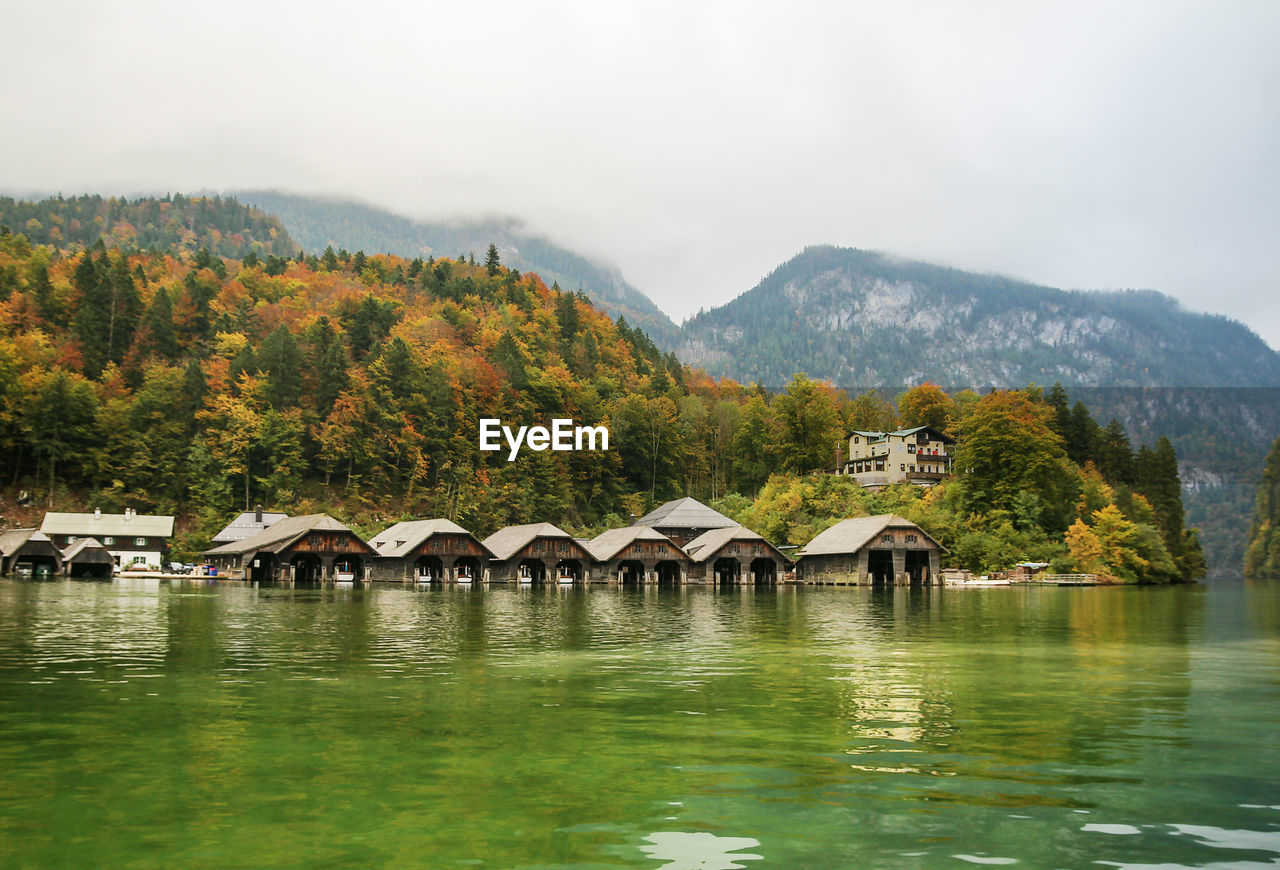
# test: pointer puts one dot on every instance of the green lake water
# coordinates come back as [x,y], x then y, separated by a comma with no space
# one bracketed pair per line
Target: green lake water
[147,724]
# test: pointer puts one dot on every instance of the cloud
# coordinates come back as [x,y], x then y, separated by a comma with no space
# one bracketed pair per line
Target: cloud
[696,146]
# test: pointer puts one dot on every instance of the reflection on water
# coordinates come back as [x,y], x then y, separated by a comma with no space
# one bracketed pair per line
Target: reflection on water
[699,851]
[562,727]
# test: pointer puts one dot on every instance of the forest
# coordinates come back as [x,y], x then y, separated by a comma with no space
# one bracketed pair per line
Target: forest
[178,380]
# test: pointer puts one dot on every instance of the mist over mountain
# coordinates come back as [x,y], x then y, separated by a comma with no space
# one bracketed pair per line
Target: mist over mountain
[863,319]
[317,223]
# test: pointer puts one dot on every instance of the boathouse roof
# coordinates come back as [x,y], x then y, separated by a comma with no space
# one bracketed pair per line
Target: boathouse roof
[87,550]
[97,524]
[505,543]
[14,539]
[685,513]
[281,534]
[402,538]
[246,524]
[607,545]
[851,535]
[711,542]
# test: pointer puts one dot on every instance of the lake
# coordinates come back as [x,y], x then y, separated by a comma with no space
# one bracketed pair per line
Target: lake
[149,724]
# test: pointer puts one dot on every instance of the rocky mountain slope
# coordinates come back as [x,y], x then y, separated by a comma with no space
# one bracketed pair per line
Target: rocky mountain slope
[863,319]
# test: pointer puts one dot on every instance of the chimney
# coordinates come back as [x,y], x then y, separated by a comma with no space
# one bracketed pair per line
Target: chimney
[97,513]
[128,514]
[257,514]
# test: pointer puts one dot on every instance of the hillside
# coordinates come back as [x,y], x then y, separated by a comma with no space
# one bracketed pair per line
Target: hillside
[173,224]
[865,319]
[317,223]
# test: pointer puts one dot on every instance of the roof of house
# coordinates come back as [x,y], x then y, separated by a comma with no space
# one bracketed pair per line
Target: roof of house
[402,538]
[505,543]
[903,433]
[13,539]
[96,551]
[247,524]
[685,513]
[713,541]
[281,534]
[97,524]
[606,545]
[851,535]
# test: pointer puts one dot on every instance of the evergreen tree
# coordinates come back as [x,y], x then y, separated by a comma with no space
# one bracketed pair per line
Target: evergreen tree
[1262,558]
[281,361]
[1115,455]
[492,264]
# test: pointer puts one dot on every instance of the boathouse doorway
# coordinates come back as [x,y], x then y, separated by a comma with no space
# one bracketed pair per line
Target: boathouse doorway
[880,566]
[764,572]
[631,572]
[262,568]
[569,570]
[917,566]
[531,571]
[429,569]
[348,568]
[306,568]
[35,567]
[467,569]
[668,573]
[727,571]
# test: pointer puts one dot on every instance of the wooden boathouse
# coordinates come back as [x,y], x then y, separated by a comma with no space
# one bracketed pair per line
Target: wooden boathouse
[734,556]
[428,551]
[309,549]
[879,550]
[638,555]
[537,553]
[684,519]
[29,552]
[88,559]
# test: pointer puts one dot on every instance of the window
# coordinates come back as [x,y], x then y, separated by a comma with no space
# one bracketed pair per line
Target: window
[71,539]
[911,539]
[911,448]
[139,560]
[857,440]
[886,539]
[435,544]
[139,542]
[108,540]
[902,466]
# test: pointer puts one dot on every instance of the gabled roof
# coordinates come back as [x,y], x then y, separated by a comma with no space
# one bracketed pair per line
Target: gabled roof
[505,543]
[872,437]
[99,524]
[247,524]
[280,534]
[711,542]
[403,538]
[88,550]
[851,535]
[685,513]
[606,545]
[13,539]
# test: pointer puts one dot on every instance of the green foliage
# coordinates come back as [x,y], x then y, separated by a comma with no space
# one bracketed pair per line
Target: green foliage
[1262,558]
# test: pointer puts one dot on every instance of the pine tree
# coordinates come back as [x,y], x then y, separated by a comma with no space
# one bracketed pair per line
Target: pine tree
[492,264]
[1262,558]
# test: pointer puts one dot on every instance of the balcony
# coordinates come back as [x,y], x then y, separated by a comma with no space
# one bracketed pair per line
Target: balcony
[925,476]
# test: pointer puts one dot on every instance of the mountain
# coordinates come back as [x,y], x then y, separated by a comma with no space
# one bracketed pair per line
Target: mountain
[317,223]
[860,318]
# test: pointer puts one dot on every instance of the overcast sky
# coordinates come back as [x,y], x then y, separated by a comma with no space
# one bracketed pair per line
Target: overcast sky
[698,145]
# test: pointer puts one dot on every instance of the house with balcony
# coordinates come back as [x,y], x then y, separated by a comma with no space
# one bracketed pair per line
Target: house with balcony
[921,455]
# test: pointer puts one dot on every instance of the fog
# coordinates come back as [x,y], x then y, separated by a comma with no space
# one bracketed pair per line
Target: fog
[697,145]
